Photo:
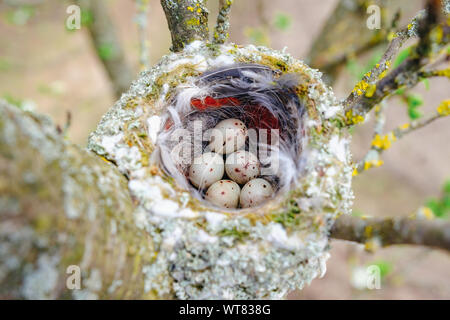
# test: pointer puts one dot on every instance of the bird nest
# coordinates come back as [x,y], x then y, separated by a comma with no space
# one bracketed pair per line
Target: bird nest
[205,250]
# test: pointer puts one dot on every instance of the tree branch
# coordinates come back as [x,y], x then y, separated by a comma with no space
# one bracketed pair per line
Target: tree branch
[187,20]
[61,205]
[142,7]
[393,231]
[433,37]
[345,35]
[107,45]
[223,24]
[381,142]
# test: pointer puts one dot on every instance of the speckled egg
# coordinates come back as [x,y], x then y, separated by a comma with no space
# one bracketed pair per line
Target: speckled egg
[255,192]
[242,166]
[228,136]
[224,193]
[206,169]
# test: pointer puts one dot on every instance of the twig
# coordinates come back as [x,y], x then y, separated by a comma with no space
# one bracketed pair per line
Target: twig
[380,142]
[393,231]
[223,24]
[142,23]
[433,37]
[367,84]
[344,36]
[187,20]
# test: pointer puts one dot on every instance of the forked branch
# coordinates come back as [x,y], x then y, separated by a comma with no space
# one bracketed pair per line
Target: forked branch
[376,85]
[187,20]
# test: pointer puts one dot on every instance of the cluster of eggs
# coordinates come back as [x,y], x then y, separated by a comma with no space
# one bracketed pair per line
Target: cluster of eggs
[242,168]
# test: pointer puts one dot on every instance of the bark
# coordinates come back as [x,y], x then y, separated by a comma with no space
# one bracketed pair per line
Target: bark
[223,23]
[60,205]
[393,231]
[187,20]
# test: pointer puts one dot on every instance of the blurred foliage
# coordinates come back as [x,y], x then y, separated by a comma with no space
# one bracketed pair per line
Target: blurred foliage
[402,55]
[54,88]
[282,21]
[106,51]
[5,64]
[257,36]
[441,206]
[412,101]
[19,16]
[87,17]
[26,105]
[357,69]
[260,35]
[357,213]
[385,267]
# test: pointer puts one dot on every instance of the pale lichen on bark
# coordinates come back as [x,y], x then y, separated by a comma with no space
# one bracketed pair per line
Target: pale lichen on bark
[60,206]
[220,34]
[187,20]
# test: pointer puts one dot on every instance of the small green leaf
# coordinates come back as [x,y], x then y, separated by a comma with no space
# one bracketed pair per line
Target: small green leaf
[282,21]
[441,207]
[106,51]
[385,267]
[402,56]
[426,83]
[447,187]
[414,100]
[87,17]
[414,114]
[400,91]
[256,36]
[20,16]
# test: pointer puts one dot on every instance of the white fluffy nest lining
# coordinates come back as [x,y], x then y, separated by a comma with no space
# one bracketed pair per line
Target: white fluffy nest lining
[262,98]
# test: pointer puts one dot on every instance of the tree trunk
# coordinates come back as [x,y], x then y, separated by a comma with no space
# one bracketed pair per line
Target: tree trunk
[61,205]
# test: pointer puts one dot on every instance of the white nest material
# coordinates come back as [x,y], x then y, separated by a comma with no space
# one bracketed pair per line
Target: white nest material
[207,253]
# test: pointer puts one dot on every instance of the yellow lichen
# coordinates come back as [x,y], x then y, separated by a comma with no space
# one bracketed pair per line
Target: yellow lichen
[360,87]
[383,142]
[444,108]
[405,126]
[372,245]
[443,73]
[193,22]
[373,164]
[371,90]
[382,75]
[368,231]
[352,119]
